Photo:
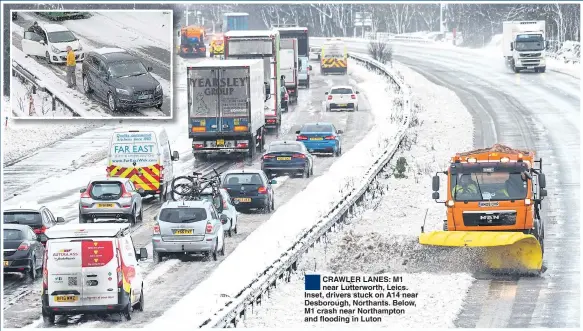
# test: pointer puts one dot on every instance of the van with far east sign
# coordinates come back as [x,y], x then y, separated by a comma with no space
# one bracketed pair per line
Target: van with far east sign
[144,156]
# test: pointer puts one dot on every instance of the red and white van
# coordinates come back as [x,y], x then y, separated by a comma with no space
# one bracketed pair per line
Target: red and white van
[91,268]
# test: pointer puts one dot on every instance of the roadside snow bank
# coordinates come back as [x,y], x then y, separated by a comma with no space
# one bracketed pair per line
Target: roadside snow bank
[268,242]
[382,237]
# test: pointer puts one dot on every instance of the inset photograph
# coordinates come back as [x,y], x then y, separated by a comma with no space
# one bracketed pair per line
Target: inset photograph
[91,65]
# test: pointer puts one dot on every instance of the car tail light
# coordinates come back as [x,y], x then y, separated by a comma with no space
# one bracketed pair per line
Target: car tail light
[262,190]
[330,137]
[225,206]
[41,230]
[125,194]
[299,156]
[161,173]
[157,229]
[329,97]
[266,157]
[86,193]
[197,145]
[119,276]
[45,271]
[353,96]
[300,137]
[209,228]
[285,97]
[23,247]
[242,145]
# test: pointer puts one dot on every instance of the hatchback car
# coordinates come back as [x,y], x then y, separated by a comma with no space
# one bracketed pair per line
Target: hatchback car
[110,198]
[320,138]
[188,227]
[250,189]
[289,157]
[315,53]
[38,217]
[23,251]
[284,95]
[51,43]
[227,208]
[342,98]
[120,79]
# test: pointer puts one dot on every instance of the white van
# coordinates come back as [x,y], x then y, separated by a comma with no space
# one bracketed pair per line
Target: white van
[91,268]
[144,156]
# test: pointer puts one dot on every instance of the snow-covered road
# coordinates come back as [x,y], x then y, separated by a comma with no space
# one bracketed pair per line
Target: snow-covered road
[70,172]
[148,35]
[533,111]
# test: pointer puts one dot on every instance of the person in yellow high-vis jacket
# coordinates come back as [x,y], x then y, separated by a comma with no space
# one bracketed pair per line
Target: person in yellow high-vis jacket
[71,65]
[466,187]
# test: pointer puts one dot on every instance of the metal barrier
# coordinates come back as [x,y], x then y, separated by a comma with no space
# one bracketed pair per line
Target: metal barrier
[235,309]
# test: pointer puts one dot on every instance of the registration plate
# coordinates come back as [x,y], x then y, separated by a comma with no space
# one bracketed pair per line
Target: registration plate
[286,158]
[317,138]
[342,105]
[145,96]
[183,232]
[220,142]
[105,205]
[243,199]
[66,298]
[6,263]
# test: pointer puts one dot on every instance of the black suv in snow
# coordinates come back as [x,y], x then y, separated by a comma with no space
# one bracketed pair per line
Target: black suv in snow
[120,79]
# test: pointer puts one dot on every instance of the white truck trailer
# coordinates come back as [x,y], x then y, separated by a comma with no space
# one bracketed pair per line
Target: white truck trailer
[288,51]
[226,107]
[524,45]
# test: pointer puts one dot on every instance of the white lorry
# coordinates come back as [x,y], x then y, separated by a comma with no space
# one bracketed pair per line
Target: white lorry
[524,44]
[288,50]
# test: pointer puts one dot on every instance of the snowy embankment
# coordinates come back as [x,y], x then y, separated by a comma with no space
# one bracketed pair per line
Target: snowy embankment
[274,237]
[382,238]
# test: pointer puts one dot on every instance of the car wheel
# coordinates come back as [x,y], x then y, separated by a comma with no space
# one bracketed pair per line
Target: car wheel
[127,311]
[48,318]
[162,194]
[312,170]
[133,217]
[141,218]
[223,248]
[140,305]
[215,251]
[272,204]
[111,102]
[306,172]
[229,232]
[48,58]
[32,272]
[86,87]
[81,218]
[157,256]
[158,106]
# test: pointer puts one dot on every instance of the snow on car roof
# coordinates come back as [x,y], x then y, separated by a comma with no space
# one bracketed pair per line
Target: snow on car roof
[236,14]
[28,205]
[251,33]
[107,50]
[76,230]
[54,27]
[341,86]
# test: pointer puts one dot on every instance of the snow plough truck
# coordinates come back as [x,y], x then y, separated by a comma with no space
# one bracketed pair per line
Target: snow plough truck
[494,198]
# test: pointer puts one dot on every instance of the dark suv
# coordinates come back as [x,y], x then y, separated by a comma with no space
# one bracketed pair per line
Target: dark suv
[120,79]
[38,217]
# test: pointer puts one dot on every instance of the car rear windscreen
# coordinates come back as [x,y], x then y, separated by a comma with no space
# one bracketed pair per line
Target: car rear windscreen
[243,179]
[106,190]
[341,91]
[317,128]
[183,215]
[25,218]
[284,148]
[12,234]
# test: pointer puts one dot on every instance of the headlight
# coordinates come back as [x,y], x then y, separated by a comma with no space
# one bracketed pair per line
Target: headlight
[55,50]
[122,91]
[158,88]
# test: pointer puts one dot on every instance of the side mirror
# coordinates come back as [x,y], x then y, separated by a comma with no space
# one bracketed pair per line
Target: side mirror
[340,132]
[325,93]
[142,254]
[224,219]
[542,181]
[511,46]
[543,192]
[357,92]
[141,190]
[83,190]
[60,220]
[435,196]
[42,42]
[272,181]
[175,156]
[435,185]
[38,238]
[298,132]
[149,69]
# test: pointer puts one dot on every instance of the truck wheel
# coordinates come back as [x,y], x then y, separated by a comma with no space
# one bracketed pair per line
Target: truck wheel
[542,69]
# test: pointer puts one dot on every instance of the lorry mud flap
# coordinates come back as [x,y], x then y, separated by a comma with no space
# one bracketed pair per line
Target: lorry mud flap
[513,252]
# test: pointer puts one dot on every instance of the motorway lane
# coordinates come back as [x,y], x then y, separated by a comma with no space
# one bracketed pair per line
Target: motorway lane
[184,276]
[157,58]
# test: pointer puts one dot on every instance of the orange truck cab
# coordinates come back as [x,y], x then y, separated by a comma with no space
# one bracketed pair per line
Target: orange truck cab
[192,41]
[217,46]
[494,198]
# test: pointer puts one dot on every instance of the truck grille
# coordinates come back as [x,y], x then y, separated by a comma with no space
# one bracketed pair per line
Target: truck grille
[530,54]
[489,219]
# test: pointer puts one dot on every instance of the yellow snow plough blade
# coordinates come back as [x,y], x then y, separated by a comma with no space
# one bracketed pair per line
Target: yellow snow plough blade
[503,250]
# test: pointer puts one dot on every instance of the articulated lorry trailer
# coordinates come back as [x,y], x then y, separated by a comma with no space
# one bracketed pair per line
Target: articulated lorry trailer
[289,67]
[225,107]
[524,45]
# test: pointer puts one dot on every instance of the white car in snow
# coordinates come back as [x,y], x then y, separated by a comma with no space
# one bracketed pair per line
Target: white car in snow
[315,53]
[52,43]
[342,98]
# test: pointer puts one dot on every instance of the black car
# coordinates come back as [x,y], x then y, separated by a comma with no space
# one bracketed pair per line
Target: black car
[249,189]
[120,79]
[39,218]
[23,251]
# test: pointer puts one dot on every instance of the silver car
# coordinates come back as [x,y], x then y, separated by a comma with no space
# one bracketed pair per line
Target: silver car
[110,199]
[188,227]
[228,209]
